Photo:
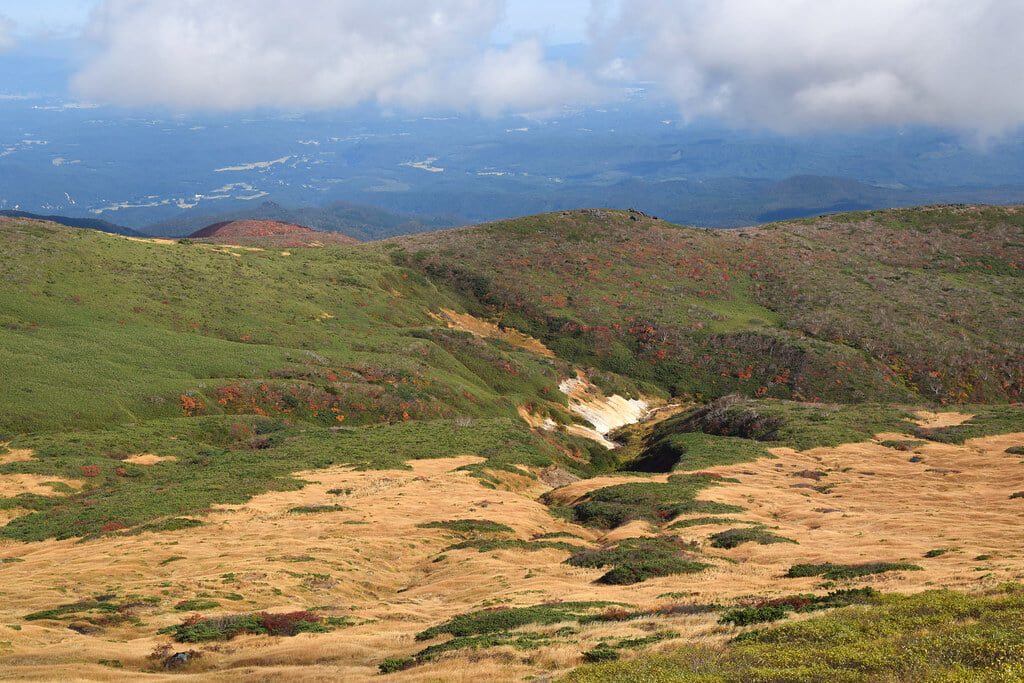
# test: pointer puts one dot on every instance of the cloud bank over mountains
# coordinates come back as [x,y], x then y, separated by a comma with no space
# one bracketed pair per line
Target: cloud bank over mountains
[235,54]
[787,65]
[6,33]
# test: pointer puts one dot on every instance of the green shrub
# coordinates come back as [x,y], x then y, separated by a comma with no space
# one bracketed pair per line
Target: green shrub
[393,664]
[731,538]
[637,559]
[601,653]
[706,521]
[486,545]
[987,420]
[197,629]
[315,509]
[613,506]
[903,445]
[469,527]
[754,615]
[500,619]
[835,572]
[196,605]
[556,534]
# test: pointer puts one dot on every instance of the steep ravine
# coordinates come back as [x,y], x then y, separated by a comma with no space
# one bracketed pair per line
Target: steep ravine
[606,413]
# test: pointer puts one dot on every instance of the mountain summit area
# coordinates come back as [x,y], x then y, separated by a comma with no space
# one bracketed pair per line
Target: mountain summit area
[265,232]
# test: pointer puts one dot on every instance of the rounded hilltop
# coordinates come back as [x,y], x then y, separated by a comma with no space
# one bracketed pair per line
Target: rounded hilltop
[268,233]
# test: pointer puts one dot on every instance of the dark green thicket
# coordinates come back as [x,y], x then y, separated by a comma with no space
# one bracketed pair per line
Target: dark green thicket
[847,571]
[613,506]
[746,421]
[731,538]
[634,560]
[508,618]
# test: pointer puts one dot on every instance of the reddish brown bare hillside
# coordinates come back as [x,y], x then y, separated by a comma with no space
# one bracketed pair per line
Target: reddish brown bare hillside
[268,233]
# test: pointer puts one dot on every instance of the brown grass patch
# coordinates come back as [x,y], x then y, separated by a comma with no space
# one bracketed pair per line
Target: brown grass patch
[936,420]
[372,563]
[150,240]
[881,506]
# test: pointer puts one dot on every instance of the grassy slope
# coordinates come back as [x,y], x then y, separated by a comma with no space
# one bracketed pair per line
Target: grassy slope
[131,341]
[932,636]
[101,329]
[907,304]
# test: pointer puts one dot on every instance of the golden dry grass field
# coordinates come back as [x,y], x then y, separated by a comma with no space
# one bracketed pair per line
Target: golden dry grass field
[371,563]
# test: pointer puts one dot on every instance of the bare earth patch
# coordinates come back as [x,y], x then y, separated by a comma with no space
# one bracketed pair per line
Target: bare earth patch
[481,328]
[149,459]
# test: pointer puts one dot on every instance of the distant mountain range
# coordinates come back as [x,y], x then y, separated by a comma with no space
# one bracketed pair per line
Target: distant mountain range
[717,202]
[90,223]
[724,202]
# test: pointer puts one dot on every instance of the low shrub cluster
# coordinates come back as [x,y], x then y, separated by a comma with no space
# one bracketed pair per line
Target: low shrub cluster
[197,629]
[779,608]
[101,610]
[196,605]
[497,626]
[706,521]
[637,559]
[613,506]
[469,527]
[835,572]
[486,545]
[903,444]
[500,619]
[731,538]
[314,509]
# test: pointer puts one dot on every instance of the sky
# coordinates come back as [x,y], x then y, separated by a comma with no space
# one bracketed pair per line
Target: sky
[783,65]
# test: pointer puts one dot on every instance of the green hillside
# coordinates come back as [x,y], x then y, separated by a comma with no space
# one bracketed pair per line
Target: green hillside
[903,305]
[135,339]
[236,361]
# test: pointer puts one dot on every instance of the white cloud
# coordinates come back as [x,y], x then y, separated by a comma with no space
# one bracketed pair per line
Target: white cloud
[7,40]
[238,54]
[495,81]
[791,64]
